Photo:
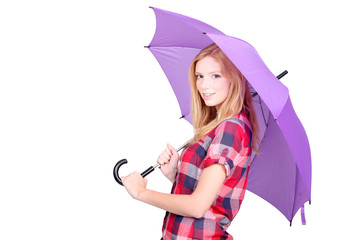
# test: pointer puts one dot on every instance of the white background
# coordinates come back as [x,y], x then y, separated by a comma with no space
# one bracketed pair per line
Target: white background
[78,92]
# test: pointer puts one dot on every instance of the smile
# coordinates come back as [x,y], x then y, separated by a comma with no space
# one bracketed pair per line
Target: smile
[208,95]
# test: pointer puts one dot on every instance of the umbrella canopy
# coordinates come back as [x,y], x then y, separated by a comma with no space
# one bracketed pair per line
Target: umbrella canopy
[281,173]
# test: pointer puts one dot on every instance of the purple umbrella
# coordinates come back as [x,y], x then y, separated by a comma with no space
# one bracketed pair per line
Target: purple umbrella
[281,173]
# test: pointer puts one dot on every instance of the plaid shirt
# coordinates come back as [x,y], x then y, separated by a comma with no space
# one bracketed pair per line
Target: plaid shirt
[228,144]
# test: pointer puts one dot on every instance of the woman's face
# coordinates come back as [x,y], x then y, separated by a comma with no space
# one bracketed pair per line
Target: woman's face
[211,84]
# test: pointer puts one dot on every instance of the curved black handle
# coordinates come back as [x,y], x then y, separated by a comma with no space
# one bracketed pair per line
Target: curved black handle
[143,174]
[124,161]
[116,170]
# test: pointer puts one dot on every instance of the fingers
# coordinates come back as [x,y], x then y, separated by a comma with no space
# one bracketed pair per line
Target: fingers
[123,179]
[167,154]
[134,184]
[168,151]
[164,156]
[163,159]
[133,174]
[171,148]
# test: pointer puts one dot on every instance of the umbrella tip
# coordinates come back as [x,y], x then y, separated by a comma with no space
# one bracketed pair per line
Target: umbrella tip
[146,46]
[151,7]
[282,74]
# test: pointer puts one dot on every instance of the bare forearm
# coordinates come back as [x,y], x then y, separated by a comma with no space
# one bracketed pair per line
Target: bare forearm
[184,205]
[193,205]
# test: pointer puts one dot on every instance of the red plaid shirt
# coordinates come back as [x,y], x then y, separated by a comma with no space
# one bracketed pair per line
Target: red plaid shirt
[228,144]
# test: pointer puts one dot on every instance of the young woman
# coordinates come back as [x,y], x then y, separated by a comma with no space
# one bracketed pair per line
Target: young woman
[210,180]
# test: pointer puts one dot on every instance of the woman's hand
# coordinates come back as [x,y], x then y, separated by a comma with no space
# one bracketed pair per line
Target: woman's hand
[168,160]
[135,184]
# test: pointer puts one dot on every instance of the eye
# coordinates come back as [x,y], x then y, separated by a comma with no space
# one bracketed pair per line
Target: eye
[216,76]
[198,76]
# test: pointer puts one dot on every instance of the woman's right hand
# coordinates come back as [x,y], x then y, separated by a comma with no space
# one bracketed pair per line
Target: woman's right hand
[168,160]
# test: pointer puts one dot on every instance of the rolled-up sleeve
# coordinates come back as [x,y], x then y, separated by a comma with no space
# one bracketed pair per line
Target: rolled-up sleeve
[228,147]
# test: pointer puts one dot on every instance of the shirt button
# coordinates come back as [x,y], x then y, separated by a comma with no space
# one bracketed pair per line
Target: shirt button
[225,152]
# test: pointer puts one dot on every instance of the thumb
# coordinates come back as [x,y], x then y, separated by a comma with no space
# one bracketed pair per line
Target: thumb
[172,149]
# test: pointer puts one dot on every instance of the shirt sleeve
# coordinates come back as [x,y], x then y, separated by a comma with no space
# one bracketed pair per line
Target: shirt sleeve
[231,145]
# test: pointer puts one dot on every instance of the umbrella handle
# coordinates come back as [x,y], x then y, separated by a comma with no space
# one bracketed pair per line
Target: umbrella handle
[143,174]
[116,171]
[124,161]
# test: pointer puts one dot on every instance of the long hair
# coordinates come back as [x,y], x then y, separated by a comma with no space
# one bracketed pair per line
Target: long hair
[206,118]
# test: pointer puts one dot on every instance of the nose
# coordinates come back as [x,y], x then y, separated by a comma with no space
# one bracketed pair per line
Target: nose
[206,82]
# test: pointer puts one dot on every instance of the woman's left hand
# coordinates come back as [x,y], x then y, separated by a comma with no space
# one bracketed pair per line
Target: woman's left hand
[135,184]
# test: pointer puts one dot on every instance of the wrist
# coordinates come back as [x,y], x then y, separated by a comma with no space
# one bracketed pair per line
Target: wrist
[142,195]
[171,176]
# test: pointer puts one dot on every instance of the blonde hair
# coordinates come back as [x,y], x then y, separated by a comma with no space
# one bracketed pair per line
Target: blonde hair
[206,118]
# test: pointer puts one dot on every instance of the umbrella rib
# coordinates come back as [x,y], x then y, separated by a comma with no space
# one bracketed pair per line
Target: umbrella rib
[171,47]
[266,129]
[262,111]
[292,211]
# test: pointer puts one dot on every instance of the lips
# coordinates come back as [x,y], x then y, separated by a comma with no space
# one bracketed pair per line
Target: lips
[207,95]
